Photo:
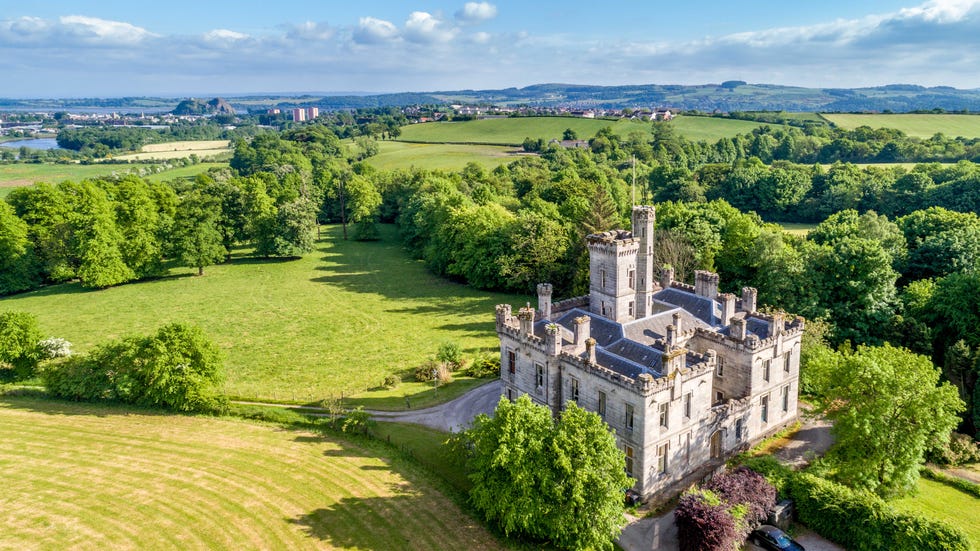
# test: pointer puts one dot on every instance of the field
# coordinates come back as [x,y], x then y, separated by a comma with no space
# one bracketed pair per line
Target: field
[941,502]
[512,131]
[94,477]
[799,229]
[26,174]
[920,125]
[395,155]
[179,150]
[335,321]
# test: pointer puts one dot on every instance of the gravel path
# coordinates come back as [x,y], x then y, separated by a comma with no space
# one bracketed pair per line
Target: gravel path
[451,416]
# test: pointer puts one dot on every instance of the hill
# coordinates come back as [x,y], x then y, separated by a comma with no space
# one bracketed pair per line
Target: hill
[216,106]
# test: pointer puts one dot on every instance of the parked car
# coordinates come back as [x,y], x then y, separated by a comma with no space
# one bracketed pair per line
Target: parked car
[774,539]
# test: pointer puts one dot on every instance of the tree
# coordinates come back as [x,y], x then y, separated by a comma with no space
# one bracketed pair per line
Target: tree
[553,481]
[95,239]
[569,135]
[19,348]
[17,271]
[291,231]
[197,236]
[888,408]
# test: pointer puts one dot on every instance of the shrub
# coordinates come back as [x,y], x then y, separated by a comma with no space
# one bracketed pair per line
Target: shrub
[431,370]
[959,450]
[485,366]
[862,521]
[704,523]
[743,486]
[776,473]
[451,354]
[391,381]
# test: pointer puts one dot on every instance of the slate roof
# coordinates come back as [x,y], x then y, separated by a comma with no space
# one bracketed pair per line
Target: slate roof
[705,309]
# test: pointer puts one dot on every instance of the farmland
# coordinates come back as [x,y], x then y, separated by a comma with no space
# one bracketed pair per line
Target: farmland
[396,155]
[918,125]
[26,174]
[512,131]
[179,150]
[102,477]
[334,321]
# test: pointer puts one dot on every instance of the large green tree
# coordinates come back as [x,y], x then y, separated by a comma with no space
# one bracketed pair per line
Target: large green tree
[16,254]
[888,408]
[19,348]
[553,481]
[290,231]
[197,233]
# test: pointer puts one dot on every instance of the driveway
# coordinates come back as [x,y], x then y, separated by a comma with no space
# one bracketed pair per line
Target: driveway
[451,416]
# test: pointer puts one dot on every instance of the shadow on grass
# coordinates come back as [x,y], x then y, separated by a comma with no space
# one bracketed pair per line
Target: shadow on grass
[373,523]
[38,401]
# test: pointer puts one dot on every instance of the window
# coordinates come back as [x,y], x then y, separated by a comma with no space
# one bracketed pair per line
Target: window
[511,361]
[721,366]
[602,308]
[632,279]
[628,418]
[687,405]
[601,409]
[510,395]
[538,375]
[631,308]
[766,364]
[764,407]
[786,358]
[664,411]
[738,429]
[662,457]
[574,392]
[785,398]
[602,279]
[719,397]
[628,451]
[687,447]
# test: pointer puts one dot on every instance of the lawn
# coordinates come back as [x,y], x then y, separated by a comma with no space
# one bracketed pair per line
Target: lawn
[941,502]
[512,131]
[395,155]
[179,150]
[26,174]
[913,124]
[97,477]
[332,323]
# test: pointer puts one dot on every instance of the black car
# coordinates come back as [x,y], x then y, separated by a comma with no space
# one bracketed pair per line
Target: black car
[774,539]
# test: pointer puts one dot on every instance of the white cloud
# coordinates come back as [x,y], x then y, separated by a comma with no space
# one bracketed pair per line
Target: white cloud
[476,12]
[224,35]
[423,28]
[310,31]
[374,31]
[480,37]
[93,29]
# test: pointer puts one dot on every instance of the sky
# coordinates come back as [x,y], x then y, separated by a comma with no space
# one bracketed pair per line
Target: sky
[110,48]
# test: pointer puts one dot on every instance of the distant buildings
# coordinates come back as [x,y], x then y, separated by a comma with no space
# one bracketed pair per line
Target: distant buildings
[301,114]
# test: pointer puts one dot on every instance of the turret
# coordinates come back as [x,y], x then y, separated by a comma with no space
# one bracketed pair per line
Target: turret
[705,284]
[643,222]
[749,295]
[582,326]
[544,300]
[666,277]
[526,317]
[727,308]
[552,339]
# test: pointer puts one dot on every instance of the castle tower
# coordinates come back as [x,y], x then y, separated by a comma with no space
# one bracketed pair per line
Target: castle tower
[643,221]
[612,274]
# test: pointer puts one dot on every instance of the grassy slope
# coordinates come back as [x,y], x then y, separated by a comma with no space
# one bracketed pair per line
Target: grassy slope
[93,477]
[941,502]
[13,175]
[512,131]
[395,155]
[921,125]
[335,321]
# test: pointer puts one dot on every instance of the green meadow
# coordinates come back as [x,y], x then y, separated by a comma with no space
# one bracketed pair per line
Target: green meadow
[512,131]
[332,323]
[26,174]
[81,476]
[938,501]
[431,156]
[913,124]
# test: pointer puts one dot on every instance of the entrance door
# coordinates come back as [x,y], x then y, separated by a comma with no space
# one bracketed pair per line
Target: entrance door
[716,445]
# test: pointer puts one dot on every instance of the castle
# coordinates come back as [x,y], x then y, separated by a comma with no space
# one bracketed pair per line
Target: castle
[685,376]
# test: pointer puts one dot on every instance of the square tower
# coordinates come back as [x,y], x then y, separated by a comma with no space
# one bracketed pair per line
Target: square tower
[643,220]
[613,274]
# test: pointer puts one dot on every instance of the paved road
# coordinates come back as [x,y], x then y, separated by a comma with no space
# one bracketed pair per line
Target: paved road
[451,416]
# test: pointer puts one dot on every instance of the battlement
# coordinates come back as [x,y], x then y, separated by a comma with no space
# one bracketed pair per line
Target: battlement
[570,303]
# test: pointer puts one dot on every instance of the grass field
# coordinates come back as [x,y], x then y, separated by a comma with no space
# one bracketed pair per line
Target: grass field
[797,229]
[179,150]
[512,131]
[920,125]
[26,174]
[395,155]
[337,320]
[941,502]
[93,477]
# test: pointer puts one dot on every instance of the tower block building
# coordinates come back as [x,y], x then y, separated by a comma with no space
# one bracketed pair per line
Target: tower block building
[684,375]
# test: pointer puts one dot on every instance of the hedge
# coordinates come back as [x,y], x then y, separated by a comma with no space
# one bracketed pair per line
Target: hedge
[861,521]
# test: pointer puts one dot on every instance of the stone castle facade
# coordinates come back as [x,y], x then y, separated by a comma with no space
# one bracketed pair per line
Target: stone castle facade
[685,376]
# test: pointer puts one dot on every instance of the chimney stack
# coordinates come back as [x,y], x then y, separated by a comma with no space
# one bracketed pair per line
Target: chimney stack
[666,277]
[727,308]
[706,284]
[590,349]
[503,314]
[749,296]
[778,324]
[582,327]
[544,300]
[738,330]
[526,317]
[552,339]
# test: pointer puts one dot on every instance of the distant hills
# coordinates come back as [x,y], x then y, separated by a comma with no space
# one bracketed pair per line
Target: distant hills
[727,96]
[216,106]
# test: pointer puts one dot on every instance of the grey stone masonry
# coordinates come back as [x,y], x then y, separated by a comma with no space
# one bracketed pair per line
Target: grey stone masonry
[685,376]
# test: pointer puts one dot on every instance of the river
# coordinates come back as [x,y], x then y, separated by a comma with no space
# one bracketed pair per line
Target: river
[33,143]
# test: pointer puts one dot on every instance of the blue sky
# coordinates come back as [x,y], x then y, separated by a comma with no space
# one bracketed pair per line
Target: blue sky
[55,48]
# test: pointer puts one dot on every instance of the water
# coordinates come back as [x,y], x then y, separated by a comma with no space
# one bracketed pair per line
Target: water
[33,143]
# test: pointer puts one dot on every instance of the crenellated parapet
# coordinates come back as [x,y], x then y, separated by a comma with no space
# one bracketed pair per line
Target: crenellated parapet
[570,303]
[613,243]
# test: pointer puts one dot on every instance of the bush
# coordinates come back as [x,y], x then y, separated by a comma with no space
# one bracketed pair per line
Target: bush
[485,366]
[862,521]
[743,486]
[776,473]
[391,381]
[704,523]
[451,354]
[960,450]
[431,370]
